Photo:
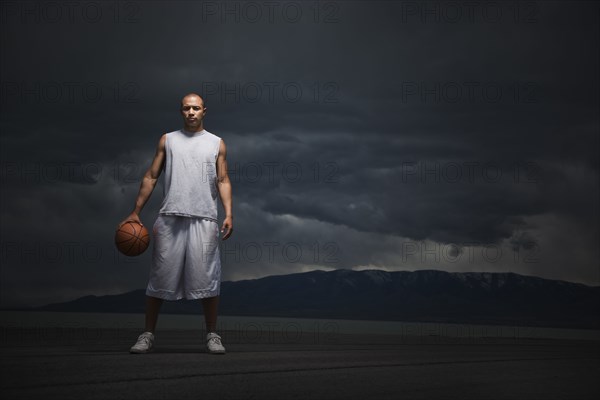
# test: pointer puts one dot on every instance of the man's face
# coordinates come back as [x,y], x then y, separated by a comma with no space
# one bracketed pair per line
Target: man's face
[192,110]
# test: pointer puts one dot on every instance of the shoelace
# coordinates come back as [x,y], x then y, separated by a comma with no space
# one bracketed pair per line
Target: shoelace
[145,339]
[215,339]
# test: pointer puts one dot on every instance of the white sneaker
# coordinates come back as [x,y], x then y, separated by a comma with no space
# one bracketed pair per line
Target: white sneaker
[144,343]
[213,342]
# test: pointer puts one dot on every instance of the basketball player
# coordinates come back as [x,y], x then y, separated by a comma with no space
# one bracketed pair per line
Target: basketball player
[186,259]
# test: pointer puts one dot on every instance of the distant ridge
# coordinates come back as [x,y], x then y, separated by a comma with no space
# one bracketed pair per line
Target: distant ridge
[425,296]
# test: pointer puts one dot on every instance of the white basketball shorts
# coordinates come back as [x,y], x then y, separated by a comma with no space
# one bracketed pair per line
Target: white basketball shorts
[186,259]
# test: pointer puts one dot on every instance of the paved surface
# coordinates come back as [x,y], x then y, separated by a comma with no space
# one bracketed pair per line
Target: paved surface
[95,364]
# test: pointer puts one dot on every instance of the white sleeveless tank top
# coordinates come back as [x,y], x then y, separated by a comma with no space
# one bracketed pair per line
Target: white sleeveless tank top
[190,188]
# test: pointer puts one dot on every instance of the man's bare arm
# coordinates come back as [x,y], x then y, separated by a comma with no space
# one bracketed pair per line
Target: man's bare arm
[224,186]
[149,181]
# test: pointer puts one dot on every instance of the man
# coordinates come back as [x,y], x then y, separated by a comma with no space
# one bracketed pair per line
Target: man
[186,259]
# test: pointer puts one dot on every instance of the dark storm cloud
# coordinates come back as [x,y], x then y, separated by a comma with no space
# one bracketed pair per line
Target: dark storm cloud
[372,129]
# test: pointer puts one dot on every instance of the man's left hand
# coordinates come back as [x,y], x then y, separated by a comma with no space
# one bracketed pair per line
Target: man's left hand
[227,228]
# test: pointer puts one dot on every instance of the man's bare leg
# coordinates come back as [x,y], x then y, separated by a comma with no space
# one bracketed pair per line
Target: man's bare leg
[210,306]
[145,340]
[152,308]
[213,340]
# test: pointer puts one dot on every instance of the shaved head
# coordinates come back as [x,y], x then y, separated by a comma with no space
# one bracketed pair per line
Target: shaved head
[192,97]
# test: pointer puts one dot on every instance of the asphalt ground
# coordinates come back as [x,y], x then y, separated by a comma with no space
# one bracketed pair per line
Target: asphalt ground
[62,363]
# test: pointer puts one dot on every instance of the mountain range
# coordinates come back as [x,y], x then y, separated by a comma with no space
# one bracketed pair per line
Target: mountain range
[421,296]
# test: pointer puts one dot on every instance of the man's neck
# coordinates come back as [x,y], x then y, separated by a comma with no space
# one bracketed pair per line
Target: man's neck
[188,128]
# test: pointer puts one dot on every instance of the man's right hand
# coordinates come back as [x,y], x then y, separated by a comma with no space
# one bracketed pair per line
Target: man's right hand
[132,217]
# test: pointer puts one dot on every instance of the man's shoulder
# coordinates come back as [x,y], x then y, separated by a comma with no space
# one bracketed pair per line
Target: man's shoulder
[210,134]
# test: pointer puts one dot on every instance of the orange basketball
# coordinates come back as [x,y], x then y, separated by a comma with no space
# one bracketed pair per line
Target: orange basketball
[132,239]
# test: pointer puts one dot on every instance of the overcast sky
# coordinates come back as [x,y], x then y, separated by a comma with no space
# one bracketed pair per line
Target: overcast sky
[457,136]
